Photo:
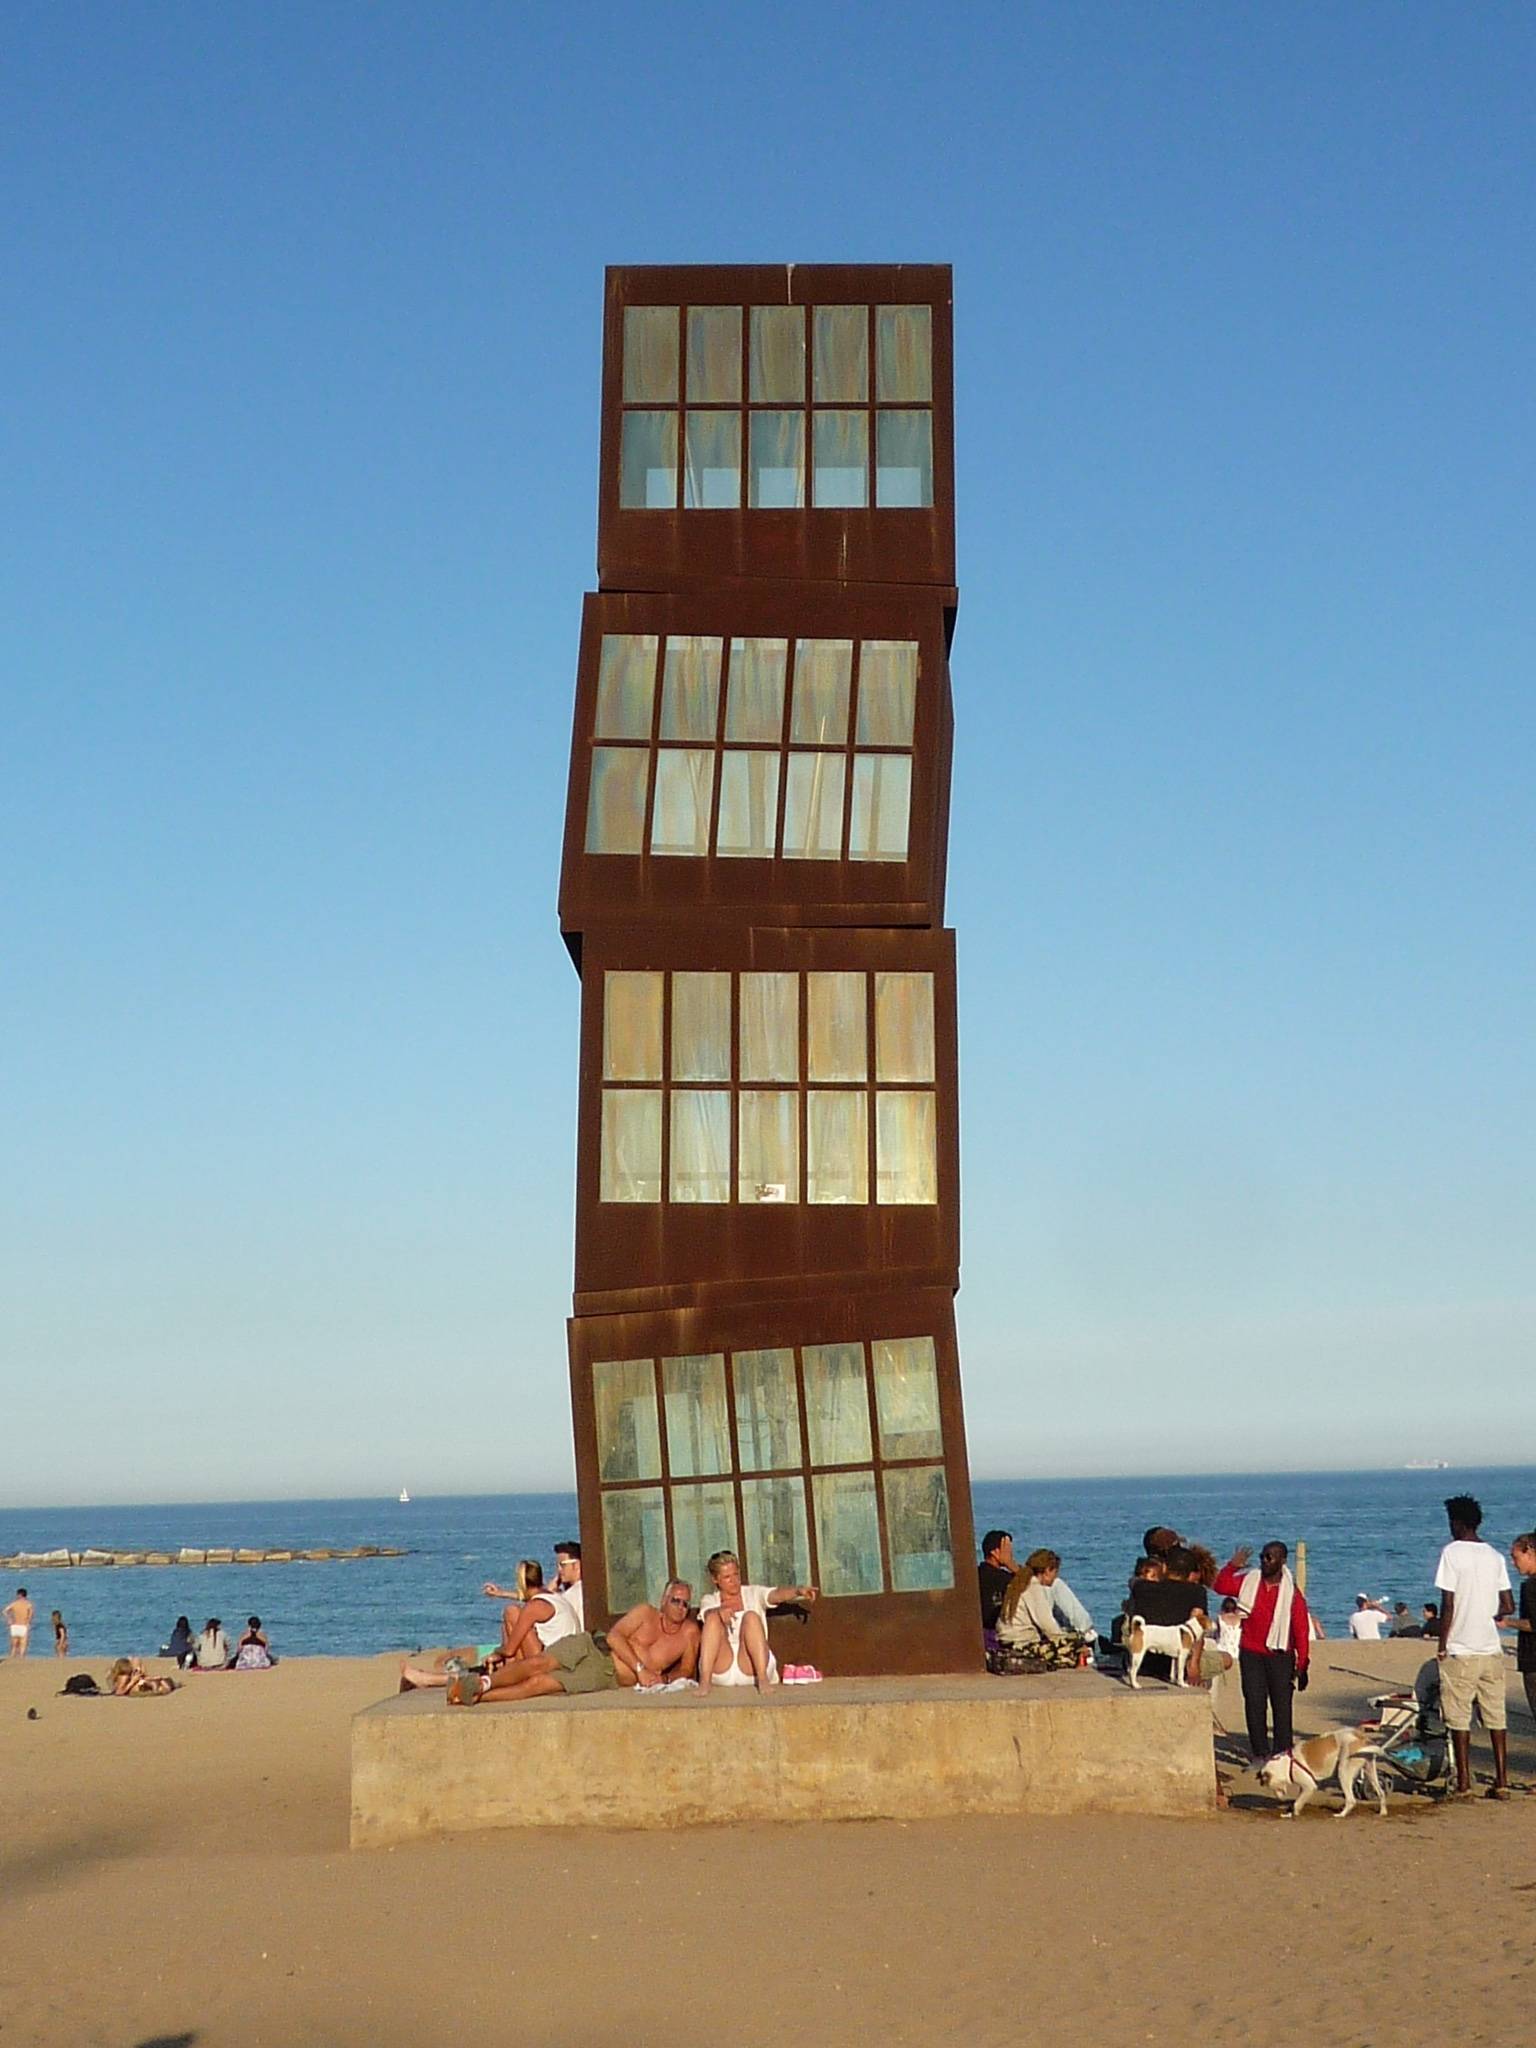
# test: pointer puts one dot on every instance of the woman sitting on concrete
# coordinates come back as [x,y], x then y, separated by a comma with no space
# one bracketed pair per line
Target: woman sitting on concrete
[1027,1623]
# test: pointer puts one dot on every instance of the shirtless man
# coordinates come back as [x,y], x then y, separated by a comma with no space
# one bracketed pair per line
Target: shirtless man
[18,1615]
[659,1643]
[735,1647]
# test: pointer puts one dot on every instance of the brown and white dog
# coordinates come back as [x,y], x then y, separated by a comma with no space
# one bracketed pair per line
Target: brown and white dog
[1349,1754]
[1175,1641]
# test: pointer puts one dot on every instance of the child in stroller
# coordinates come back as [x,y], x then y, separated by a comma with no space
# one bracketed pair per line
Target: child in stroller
[1412,1733]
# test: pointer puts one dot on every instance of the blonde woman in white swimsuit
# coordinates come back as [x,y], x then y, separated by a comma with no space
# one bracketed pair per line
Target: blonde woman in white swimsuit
[735,1647]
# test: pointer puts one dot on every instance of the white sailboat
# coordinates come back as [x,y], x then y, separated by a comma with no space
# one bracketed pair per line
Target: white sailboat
[405,1498]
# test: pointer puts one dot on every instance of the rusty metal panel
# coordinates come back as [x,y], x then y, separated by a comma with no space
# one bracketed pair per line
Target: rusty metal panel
[778,889]
[659,547]
[932,1628]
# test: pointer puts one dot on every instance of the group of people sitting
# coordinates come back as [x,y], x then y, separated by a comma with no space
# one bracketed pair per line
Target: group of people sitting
[1373,1619]
[1032,1616]
[211,1650]
[545,1648]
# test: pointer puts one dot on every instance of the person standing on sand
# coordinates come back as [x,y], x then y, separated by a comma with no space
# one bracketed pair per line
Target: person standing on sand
[60,1634]
[1274,1644]
[1523,1551]
[1473,1584]
[18,1615]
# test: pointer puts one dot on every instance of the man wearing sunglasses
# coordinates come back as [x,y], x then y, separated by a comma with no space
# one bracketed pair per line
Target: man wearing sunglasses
[659,1644]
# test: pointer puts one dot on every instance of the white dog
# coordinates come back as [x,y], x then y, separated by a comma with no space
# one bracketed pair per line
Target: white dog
[1346,1753]
[1176,1641]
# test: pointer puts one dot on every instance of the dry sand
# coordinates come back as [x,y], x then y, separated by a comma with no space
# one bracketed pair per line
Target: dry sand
[176,1872]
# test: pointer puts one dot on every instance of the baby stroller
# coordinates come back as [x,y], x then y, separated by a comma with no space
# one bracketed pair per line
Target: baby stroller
[1412,1736]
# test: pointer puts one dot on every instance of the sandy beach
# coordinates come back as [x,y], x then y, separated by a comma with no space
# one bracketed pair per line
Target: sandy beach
[176,1871]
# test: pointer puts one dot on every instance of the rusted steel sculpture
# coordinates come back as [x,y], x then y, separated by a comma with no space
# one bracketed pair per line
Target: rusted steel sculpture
[767,1215]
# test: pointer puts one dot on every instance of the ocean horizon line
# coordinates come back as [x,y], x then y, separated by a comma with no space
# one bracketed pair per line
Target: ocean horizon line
[388,1497]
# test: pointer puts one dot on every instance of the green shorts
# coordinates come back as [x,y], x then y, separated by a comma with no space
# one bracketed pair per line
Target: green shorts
[581,1666]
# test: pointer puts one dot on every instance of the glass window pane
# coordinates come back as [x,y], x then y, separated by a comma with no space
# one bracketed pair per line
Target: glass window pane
[840,458]
[882,804]
[903,1027]
[701,1145]
[616,799]
[624,1401]
[698,1427]
[836,1146]
[714,355]
[887,692]
[847,1534]
[648,462]
[749,805]
[907,1397]
[778,355]
[756,707]
[626,684]
[690,687]
[701,1027]
[837,1404]
[778,460]
[773,1530]
[906,1165]
[712,475]
[650,355]
[685,784]
[813,807]
[703,1521]
[823,674]
[903,458]
[770,1027]
[767,1410]
[631,1025]
[836,1038]
[635,1545]
[904,354]
[917,1529]
[840,355]
[768,1159]
[630,1167]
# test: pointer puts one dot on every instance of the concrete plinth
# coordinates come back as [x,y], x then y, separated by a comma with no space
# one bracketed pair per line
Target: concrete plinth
[848,1749]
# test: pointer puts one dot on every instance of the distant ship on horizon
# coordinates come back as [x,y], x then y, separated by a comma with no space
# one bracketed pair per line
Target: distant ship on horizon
[1428,1465]
[405,1498]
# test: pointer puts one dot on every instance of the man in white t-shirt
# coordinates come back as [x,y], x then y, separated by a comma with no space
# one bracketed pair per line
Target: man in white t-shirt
[1473,1582]
[568,1578]
[1368,1622]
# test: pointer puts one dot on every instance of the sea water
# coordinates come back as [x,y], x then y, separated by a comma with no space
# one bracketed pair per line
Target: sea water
[1366,1532]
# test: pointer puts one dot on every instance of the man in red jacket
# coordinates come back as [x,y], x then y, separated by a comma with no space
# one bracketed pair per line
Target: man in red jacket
[1273,1644]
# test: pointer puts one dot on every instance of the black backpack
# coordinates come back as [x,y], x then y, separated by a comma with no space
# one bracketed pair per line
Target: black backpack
[82,1685]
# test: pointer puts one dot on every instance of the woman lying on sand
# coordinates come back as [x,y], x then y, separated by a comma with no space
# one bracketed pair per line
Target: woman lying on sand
[129,1680]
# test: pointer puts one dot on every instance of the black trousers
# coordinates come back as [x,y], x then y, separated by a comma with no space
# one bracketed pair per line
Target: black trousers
[1268,1677]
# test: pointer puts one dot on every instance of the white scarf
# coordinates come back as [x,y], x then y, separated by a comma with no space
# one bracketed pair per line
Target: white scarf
[1279,1637]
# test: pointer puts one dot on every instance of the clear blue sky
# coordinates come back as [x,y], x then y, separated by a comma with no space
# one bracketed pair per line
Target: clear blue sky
[298,436]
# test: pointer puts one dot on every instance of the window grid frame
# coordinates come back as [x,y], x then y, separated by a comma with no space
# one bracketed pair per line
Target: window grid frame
[871,1088]
[782,749]
[806,1471]
[745,408]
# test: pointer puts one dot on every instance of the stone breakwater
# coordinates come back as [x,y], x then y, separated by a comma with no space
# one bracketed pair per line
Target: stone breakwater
[53,1560]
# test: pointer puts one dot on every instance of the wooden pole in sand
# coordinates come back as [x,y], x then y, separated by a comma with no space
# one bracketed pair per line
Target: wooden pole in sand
[1301,1567]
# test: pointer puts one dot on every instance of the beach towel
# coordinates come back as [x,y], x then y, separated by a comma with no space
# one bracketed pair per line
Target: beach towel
[1279,1637]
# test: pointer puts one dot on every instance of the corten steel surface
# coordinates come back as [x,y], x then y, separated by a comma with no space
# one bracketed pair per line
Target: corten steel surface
[670,550]
[858,1635]
[597,888]
[858,406]
[672,1254]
